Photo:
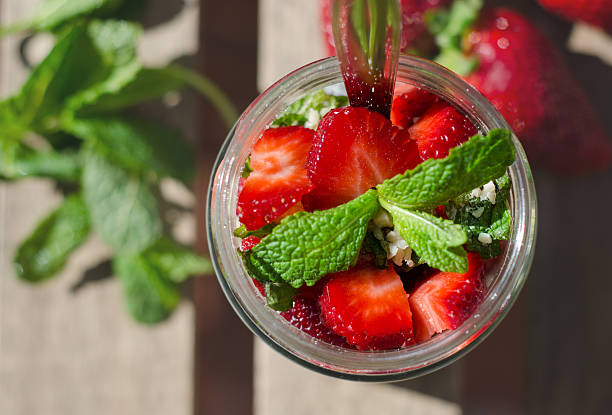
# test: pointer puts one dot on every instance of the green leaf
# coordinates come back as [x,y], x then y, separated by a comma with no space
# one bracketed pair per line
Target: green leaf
[120,93]
[52,14]
[308,110]
[83,57]
[242,231]
[435,240]
[122,206]
[18,161]
[150,297]
[460,17]
[176,262]
[279,296]
[46,250]
[139,145]
[306,246]
[436,181]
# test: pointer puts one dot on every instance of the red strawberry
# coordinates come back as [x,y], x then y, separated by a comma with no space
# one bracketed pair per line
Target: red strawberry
[249,243]
[306,316]
[410,104]
[369,307]
[355,149]
[595,12]
[441,128]
[278,180]
[526,78]
[414,33]
[447,299]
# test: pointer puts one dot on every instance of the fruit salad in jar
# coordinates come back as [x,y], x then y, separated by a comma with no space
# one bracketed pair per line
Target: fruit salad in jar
[371,233]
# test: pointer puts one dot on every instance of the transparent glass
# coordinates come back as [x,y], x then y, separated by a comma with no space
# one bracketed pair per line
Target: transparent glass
[505,276]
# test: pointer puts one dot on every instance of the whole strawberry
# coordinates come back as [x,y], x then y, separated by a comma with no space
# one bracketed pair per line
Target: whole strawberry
[525,77]
[595,12]
[415,37]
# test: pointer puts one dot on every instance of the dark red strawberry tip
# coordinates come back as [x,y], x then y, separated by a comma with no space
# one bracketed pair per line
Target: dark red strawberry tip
[249,243]
[278,180]
[369,307]
[260,287]
[353,150]
[410,104]
[441,128]
[446,299]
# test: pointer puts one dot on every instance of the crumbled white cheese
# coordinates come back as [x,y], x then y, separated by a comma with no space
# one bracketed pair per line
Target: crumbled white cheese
[486,192]
[478,212]
[398,250]
[485,238]
[312,119]
[383,219]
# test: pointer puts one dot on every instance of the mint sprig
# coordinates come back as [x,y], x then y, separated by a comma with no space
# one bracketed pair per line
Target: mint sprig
[306,246]
[436,181]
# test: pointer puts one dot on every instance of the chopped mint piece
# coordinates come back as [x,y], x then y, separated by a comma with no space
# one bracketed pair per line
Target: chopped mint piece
[374,246]
[309,110]
[279,296]
[481,217]
[308,245]
[242,231]
[436,181]
[435,240]
[247,169]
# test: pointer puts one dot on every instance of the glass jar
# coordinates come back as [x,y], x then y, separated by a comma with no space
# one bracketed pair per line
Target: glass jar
[504,278]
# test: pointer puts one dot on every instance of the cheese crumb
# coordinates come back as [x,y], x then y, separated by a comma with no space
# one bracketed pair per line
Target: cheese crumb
[485,238]
[478,212]
[312,119]
[398,250]
[383,219]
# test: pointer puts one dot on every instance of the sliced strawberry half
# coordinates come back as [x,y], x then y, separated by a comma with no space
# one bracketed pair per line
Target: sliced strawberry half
[306,316]
[446,299]
[410,104]
[278,180]
[353,150]
[441,128]
[369,307]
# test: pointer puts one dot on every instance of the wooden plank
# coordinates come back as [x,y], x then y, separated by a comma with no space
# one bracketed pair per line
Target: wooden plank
[223,370]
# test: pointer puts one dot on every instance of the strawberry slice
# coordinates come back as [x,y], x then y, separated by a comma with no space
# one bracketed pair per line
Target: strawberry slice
[369,307]
[353,150]
[278,180]
[441,128]
[446,299]
[410,104]
[249,243]
[306,316]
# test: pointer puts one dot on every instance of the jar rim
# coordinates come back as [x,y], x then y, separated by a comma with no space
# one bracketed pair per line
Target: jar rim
[399,364]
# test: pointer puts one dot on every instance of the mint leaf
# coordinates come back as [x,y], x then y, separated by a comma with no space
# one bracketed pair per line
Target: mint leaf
[18,161]
[46,250]
[435,240]
[279,296]
[308,110]
[124,90]
[306,246]
[436,181]
[150,298]
[122,206]
[176,262]
[83,57]
[142,146]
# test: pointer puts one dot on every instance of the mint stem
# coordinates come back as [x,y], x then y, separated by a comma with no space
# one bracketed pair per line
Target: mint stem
[209,90]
